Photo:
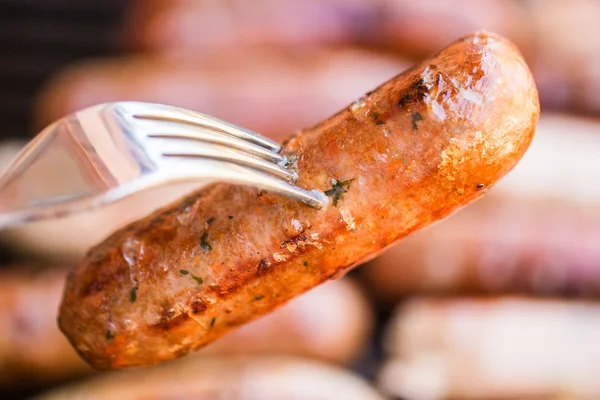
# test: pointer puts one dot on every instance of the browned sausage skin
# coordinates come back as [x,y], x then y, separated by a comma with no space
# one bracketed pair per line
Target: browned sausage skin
[411,152]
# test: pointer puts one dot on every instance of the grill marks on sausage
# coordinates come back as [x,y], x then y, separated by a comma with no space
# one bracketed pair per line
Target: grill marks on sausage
[168,324]
[102,281]
[294,242]
[262,268]
[414,94]
[198,306]
[172,316]
[231,283]
[93,287]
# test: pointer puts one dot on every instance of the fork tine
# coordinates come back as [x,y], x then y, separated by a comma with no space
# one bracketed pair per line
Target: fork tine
[226,171]
[177,147]
[111,156]
[176,114]
[210,136]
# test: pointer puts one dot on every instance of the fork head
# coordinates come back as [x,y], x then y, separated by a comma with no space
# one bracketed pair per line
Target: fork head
[110,151]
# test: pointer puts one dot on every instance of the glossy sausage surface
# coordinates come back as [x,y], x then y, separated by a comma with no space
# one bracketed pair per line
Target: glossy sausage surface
[411,152]
[33,351]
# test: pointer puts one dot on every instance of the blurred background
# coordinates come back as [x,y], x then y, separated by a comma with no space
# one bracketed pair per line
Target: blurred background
[499,301]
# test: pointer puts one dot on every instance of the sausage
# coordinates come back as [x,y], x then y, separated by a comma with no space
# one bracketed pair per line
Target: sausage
[304,327]
[410,153]
[188,25]
[231,378]
[500,245]
[155,25]
[500,348]
[568,82]
[303,85]
[536,233]
[541,28]
[34,351]
[315,83]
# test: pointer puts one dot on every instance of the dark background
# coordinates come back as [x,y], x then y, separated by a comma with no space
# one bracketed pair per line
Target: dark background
[37,38]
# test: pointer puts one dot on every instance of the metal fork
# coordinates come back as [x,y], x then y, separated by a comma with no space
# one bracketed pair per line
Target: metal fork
[117,149]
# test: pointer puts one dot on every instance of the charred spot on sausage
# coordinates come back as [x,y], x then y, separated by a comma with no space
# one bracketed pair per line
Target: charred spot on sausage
[263,267]
[170,323]
[415,93]
[198,305]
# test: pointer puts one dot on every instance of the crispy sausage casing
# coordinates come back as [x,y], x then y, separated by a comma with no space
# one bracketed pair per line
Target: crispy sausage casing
[409,153]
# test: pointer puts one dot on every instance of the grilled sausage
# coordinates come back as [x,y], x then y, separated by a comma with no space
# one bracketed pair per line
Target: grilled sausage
[304,86]
[536,233]
[305,327]
[500,245]
[541,28]
[276,91]
[501,348]
[409,26]
[419,147]
[34,351]
[173,26]
[231,378]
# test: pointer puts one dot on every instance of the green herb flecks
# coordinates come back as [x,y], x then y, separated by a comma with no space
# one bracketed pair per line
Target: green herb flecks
[230,217]
[210,220]
[203,242]
[194,277]
[338,189]
[305,263]
[197,279]
[481,186]
[110,335]
[416,117]
[378,121]
[212,322]
[259,297]
[133,294]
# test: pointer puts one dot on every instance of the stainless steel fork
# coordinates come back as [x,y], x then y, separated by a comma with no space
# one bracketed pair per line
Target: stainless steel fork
[118,149]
